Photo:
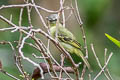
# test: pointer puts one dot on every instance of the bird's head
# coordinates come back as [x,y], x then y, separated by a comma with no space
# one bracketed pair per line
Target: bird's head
[52,19]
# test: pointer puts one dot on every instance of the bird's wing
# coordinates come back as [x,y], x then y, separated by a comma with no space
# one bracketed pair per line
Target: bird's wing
[70,41]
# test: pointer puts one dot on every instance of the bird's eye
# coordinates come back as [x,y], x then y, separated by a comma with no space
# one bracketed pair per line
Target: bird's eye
[67,39]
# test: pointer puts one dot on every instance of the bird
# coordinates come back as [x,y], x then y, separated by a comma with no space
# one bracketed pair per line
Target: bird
[66,39]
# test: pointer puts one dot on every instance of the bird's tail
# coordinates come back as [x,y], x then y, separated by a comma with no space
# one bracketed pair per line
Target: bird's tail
[85,60]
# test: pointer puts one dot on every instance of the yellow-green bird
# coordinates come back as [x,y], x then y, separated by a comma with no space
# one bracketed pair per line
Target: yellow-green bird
[66,38]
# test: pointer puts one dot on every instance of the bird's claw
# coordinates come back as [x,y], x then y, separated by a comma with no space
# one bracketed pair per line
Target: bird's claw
[77,65]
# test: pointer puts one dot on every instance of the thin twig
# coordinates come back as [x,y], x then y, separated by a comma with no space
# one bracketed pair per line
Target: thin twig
[83,72]
[104,66]
[63,14]
[98,62]
[20,24]
[1,69]
[25,5]
[11,17]
[25,58]
[6,73]
[62,64]
[106,69]
[43,22]
[89,75]
[28,12]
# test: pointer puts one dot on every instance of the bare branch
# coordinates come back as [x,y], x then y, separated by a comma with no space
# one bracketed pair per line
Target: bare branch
[99,62]
[25,58]
[45,70]
[62,64]
[106,69]
[103,67]
[6,73]
[25,5]
[63,14]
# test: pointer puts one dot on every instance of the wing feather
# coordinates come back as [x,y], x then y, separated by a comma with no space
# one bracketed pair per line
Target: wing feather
[70,41]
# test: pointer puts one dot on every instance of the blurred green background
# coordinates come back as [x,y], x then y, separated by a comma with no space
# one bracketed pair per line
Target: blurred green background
[98,16]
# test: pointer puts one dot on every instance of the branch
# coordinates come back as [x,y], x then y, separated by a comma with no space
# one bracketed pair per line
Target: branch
[36,74]
[102,70]
[6,73]
[92,47]
[25,5]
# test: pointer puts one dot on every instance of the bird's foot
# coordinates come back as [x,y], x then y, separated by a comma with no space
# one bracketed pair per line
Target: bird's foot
[77,65]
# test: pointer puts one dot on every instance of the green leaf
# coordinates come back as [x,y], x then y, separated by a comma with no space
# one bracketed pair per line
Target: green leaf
[115,41]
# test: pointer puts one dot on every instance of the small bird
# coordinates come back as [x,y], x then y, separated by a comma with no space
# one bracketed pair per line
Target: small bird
[66,38]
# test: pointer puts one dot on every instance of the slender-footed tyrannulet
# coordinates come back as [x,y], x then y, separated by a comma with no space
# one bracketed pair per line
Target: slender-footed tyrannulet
[66,38]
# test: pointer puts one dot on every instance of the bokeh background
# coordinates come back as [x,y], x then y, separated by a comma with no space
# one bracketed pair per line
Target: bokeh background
[98,16]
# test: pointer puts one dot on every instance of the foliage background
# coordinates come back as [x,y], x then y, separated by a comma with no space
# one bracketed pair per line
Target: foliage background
[99,17]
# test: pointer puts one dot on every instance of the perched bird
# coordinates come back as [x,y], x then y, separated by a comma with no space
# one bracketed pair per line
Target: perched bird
[66,38]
